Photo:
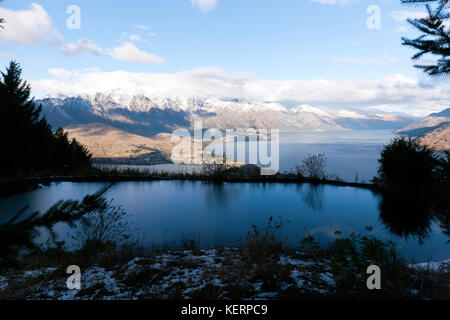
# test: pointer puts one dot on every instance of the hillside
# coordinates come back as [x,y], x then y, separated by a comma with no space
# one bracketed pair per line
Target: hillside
[426,125]
[433,130]
[104,141]
[438,139]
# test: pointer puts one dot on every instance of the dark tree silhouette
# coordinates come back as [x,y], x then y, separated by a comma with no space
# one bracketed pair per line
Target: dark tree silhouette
[435,38]
[27,143]
[404,164]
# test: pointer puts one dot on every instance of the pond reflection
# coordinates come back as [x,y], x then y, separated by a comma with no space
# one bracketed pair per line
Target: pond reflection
[407,216]
[166,212]
[312,195]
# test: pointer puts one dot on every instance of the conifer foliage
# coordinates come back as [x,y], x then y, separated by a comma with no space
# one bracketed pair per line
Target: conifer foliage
[434,38]
[28,145]
[19,233]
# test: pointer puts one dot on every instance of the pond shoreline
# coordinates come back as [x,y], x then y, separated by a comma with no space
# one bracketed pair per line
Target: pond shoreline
[13,187]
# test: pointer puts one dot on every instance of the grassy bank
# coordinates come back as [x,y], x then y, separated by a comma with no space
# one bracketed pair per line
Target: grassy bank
[261,267]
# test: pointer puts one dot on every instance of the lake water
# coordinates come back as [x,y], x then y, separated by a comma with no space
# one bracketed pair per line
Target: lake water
[166,212]
[349,153]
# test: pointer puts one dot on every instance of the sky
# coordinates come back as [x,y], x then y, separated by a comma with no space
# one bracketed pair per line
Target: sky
[326,53]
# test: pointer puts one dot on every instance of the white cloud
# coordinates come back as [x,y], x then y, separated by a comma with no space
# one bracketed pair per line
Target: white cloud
[60,73]
[132,37]
[141,26]
[144,28]
[395,92]
[28,26]
[135,37]
[403,15]
[63,74]
[129,52]
[82,46]
[341,3]
[140,34]
[205,5]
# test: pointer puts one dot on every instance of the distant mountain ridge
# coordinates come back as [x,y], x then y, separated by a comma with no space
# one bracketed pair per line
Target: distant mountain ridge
[433,131]
[148,116]
[432,122]
[445,113]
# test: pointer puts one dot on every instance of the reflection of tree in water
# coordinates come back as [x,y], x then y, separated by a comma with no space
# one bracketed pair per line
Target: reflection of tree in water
[312,195]
[407,216]
[218,194]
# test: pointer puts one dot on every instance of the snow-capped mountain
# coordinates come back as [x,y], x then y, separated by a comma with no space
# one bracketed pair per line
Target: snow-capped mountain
[148,116]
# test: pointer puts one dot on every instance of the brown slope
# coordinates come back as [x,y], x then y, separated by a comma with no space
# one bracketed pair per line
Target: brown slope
[104,141]
[438,139]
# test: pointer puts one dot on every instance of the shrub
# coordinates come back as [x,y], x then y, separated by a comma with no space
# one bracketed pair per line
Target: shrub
[264,244]
[103,236]
[406,164]
[313,167]
[106,225]
[350,258]
[214,172]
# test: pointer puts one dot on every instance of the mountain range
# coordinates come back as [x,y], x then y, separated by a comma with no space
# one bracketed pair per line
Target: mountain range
[149,116]
[135,129]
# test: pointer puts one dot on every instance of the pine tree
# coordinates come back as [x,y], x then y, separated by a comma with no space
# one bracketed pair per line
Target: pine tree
[435,38]
[23,132]
[27,143]
[16,97]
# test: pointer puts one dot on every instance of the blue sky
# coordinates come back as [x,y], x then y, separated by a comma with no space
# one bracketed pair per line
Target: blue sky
[279,41]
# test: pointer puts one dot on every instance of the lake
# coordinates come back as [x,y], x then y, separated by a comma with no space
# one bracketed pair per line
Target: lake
[166,212]
[350,154]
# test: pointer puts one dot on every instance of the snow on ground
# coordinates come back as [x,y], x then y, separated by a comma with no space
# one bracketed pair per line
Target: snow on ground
[180,275]
[433,266]
[212,274]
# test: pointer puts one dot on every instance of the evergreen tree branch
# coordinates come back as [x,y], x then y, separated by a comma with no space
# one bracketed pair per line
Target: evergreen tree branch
[16,236]
[435,37]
